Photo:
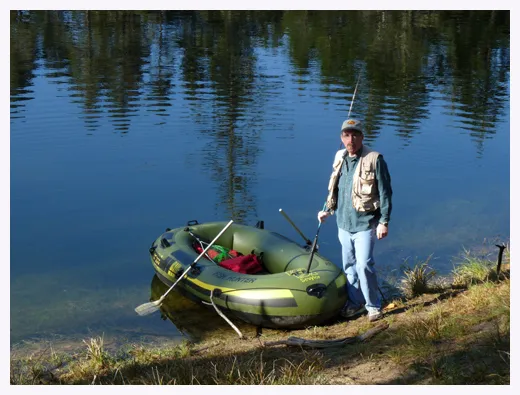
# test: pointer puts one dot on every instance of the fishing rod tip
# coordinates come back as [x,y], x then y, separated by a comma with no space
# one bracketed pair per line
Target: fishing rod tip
[280,210]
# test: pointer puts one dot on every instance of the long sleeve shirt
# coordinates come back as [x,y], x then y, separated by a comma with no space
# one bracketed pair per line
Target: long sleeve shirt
[347,217]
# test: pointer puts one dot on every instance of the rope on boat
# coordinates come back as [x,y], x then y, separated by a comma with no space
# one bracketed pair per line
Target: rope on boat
[298,341]
[223,316]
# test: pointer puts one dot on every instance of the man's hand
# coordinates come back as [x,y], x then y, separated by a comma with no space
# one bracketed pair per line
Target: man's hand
[381,231]
[322,216]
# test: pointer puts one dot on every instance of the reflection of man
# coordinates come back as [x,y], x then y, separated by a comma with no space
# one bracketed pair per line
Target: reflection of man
[361,194]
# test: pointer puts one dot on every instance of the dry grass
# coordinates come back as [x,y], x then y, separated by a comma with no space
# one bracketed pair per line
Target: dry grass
[419,279]
[434,338]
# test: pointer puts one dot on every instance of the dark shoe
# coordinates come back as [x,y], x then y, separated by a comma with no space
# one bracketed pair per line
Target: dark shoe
[375,315]
[350,311]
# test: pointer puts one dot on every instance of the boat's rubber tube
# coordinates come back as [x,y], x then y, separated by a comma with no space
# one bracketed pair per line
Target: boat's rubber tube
[285,297]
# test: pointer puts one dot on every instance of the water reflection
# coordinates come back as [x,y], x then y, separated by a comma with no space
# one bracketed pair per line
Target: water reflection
[226,71]
[232,154]
[117,57]
[192,319]
[23,61]
[227,108]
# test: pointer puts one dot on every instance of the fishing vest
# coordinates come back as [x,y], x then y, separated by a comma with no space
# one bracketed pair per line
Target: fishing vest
[365,195]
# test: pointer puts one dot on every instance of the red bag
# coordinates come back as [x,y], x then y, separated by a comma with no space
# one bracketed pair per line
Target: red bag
[246,264]
[232,260]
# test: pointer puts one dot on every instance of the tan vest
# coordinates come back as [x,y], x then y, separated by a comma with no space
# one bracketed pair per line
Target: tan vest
[365,195]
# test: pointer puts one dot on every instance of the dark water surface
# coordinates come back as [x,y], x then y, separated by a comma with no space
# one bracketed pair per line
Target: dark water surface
[125,123]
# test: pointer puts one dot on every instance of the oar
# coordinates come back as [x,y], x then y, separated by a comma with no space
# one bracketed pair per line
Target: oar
[150,307]
[313,248]
[295,227]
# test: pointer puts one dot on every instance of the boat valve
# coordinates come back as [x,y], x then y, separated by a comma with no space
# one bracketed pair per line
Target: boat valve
[316,290]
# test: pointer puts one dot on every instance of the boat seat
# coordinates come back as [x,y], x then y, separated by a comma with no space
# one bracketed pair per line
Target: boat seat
[242,244]
[269,247]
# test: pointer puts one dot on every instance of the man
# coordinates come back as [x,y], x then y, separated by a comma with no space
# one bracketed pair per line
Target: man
[360,193]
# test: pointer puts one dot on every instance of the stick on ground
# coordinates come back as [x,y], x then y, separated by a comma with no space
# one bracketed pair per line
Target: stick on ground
[298,341]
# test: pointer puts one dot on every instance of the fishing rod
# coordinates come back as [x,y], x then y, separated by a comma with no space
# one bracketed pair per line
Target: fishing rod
[351,103]
[315,241]
[353,96]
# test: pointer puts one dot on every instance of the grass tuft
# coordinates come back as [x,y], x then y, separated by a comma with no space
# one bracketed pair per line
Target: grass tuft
[472,269]
[96,352]
[418,280]
[460,337]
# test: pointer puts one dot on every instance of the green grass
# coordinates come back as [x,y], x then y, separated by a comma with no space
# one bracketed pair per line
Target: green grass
[419,279]
[434,337]
[474,268]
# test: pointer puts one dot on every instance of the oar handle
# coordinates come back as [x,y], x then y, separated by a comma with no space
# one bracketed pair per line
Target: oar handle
[325,208]
[313,248]
[197,259]
[295,227]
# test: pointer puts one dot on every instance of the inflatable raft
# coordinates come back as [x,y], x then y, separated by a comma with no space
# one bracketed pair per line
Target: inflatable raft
[283,295]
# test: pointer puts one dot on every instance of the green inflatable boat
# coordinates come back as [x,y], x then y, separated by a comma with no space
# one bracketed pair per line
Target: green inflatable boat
[283,295]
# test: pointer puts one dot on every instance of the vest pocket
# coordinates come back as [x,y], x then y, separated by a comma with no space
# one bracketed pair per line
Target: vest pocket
[367,180]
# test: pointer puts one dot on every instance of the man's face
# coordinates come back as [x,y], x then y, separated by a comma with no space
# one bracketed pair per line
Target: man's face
[352,140]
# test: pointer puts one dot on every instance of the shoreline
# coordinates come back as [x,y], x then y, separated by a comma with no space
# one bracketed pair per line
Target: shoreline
[456,336]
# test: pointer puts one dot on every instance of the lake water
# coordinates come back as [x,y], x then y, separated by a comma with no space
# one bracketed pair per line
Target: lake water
[125,123]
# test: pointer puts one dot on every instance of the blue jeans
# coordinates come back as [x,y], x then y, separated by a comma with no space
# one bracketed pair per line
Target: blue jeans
[358,263]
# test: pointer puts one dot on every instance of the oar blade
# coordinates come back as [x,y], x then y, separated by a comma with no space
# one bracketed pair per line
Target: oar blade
[151,307]
[148,308]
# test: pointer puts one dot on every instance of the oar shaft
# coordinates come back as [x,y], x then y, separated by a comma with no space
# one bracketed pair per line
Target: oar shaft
[295,227]
[197,259]
[313,248]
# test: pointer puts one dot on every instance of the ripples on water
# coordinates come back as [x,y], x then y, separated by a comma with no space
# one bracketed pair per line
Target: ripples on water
[123,123]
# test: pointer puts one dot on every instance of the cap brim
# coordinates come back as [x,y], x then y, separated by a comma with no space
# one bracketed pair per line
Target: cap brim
[353,129]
